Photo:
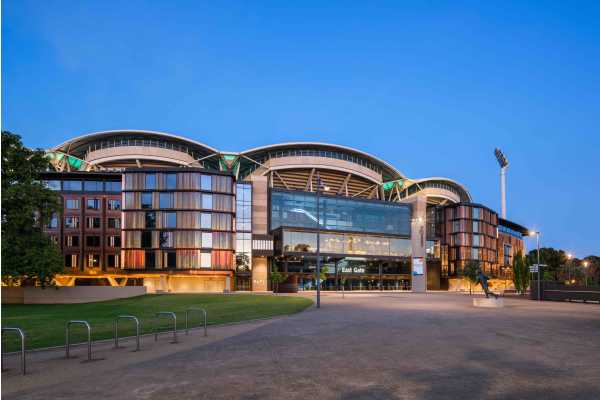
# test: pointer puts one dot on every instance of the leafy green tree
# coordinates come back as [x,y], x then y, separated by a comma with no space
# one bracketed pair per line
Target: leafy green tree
[592,271]
[520,273]
[322,275]
[470,273]
[276,278]
[28,255]
[556,260]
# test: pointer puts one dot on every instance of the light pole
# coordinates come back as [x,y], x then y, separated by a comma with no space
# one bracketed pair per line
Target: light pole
[585,264]
[569,257]
[537,235]
[319,186]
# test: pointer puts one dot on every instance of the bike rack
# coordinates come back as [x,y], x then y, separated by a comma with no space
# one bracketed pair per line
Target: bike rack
[89,332]
[187,313]
[137,330]
[169,314]
[22,334]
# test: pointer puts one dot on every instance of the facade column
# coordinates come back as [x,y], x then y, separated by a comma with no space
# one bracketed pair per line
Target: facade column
[380,276]
[418,244]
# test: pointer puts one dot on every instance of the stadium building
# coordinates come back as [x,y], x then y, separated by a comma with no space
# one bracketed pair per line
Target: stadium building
[175,215]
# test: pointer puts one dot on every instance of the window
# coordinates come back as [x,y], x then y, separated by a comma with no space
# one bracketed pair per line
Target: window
[205,260]
[205,221]
[171,181]
[149,260]
[54,239]
[114,241]
[72,241]
[53,222]
[474,253]
[455,226]
[150,219]
[207,201]
[92,186]
[72,222]
[146,200]
[72,204]
[507,254]
[112,260]
[92,241]
[206,182]
[475,226]
[52,185]
[93,204]
[114,223]
[171,259]
[93,222]
[150,181]
[146,239]
[71,260]
[114,204]
[207,240]
[74,186]
[112,186]
[165,200]
[476,213]
[477,240]
[93,260]
[166,239]
[170,220]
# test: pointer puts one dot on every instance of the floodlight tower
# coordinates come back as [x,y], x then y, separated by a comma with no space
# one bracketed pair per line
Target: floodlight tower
[503,166]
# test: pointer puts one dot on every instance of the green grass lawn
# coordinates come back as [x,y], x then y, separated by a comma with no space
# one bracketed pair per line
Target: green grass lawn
[44,325]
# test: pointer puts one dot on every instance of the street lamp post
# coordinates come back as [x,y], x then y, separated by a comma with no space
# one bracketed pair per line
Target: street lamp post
[585,264]
[319,186]
[537,235]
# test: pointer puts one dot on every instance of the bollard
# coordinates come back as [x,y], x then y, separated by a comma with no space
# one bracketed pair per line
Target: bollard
[22,335]
[137,330]
[89,332]
[187,312]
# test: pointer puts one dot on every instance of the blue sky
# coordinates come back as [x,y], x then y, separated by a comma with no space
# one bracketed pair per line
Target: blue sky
[432,87]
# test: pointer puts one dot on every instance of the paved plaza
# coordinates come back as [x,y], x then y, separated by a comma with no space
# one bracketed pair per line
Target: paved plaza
[363,346]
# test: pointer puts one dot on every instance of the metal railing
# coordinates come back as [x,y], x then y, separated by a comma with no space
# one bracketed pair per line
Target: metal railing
[168,314]
[22,334]
[187,313]
[137,330]
[89,334]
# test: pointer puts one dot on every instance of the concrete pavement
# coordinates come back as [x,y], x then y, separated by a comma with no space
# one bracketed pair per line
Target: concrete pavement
[366,346]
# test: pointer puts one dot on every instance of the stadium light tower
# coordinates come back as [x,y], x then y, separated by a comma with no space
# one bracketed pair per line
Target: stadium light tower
[503,166]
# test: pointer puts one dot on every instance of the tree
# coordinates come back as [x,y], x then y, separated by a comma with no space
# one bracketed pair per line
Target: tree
[470,273]
[28,254]
[555,261]
[520,273]
[322,275]
[276,278]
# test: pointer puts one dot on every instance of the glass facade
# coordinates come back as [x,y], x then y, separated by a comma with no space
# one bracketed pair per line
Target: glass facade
[299,210]
[243,245]
[342,243]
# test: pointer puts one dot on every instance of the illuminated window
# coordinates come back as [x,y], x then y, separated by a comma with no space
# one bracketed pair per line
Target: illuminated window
[205,260]
[93,260]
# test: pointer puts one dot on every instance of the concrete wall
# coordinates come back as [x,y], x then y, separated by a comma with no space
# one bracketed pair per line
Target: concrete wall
[69,294]
[185,284]
[260,205]
[418,240]
[12,295]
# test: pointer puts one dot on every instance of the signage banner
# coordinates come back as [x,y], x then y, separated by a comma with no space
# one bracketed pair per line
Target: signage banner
[417,266]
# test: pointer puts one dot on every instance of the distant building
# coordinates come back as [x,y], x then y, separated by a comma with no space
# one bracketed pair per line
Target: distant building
[172,214]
